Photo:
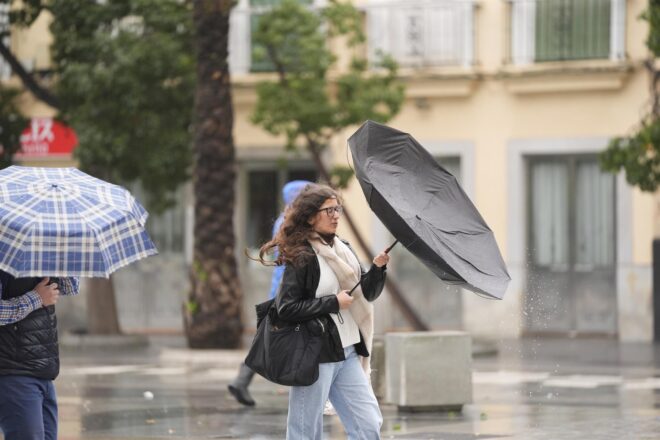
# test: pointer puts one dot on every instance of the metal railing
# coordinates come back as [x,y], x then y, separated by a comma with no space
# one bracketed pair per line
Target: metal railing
[423,33]
[417,33]
[564,30]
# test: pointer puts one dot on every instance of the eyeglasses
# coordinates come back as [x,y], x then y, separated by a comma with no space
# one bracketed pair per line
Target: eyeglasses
[332,210]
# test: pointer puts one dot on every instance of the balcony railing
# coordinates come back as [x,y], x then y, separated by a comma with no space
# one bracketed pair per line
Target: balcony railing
[564,30]
[422,33]
[417,33]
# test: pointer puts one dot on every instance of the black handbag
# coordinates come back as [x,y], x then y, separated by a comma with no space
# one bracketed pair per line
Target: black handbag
[283,352]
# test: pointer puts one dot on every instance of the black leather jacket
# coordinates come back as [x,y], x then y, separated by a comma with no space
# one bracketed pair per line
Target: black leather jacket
[296,302]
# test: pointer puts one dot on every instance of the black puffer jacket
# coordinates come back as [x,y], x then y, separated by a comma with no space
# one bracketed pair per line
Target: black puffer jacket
[296,302]
[28,347]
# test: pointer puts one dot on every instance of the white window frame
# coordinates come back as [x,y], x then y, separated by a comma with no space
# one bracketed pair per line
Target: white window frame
[517,152]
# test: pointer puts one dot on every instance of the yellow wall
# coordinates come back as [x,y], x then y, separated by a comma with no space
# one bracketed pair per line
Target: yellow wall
[31,47]
[557,100]
[490,106]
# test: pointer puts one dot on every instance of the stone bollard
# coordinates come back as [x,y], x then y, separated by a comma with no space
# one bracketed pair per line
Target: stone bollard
[428,371]
[378,368]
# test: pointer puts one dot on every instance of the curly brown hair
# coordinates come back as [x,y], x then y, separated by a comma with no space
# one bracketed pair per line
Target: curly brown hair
[291,239]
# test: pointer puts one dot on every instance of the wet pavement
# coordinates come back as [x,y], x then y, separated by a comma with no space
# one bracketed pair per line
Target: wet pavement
[559,389]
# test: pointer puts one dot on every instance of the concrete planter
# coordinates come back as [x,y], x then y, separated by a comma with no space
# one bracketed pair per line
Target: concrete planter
[428,371]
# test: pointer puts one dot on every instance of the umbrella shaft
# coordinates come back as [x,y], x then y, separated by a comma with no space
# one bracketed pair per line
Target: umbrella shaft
[387,251]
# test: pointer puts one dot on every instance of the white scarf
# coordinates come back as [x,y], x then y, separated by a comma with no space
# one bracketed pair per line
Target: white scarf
[347,268]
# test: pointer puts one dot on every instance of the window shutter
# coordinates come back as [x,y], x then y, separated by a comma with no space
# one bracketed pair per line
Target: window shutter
[572,29]
[548,29]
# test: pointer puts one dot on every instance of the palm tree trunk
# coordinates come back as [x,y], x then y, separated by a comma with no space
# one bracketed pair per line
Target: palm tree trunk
[102,313]
[102,316]
[212,315]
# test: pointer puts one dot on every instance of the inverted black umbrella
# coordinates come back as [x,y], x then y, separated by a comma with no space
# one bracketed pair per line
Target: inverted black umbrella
[425,209]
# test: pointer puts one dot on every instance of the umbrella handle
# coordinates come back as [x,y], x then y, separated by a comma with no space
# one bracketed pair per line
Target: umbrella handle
[387,251]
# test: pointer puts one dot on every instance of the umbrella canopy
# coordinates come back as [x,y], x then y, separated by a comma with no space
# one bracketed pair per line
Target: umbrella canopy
[424,207]
[63,222]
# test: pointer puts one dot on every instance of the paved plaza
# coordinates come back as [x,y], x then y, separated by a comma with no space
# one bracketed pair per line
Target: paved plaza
[554,389]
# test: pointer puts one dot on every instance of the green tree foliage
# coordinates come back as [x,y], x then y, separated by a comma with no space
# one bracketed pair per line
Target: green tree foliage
[126,82]
[12,124]
[25,12]
[652,15]
[639,153]
[12,121]
[124,75]
[125,79]
[308,103]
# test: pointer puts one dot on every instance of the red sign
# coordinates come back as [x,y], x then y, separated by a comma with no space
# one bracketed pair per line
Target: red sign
[47,138]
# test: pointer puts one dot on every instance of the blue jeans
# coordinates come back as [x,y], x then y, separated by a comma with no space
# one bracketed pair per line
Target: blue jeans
[28,408]
[350,393]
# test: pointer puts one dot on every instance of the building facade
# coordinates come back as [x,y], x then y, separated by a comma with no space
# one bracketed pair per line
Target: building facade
[514,97]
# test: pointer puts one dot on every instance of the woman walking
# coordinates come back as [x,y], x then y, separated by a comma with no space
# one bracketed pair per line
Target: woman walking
[320,270]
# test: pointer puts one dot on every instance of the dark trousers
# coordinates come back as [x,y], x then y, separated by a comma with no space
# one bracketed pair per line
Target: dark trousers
[28,408]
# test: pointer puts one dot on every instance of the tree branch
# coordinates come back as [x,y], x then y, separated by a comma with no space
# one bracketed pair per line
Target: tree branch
[279,67]
[28,80]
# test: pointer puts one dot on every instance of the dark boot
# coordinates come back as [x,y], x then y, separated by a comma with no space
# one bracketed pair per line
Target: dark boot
[239,387]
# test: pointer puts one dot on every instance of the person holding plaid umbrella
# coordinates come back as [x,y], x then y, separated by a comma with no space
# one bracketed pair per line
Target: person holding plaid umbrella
[56,224]
[29,359]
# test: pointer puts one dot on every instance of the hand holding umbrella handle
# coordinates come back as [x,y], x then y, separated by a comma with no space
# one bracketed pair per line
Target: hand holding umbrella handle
[387,251]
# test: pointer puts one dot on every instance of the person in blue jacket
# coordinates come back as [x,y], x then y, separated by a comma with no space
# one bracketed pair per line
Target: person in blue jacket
[239,386]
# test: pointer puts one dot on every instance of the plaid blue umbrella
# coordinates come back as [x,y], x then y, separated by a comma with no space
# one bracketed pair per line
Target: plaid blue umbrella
[63,222]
